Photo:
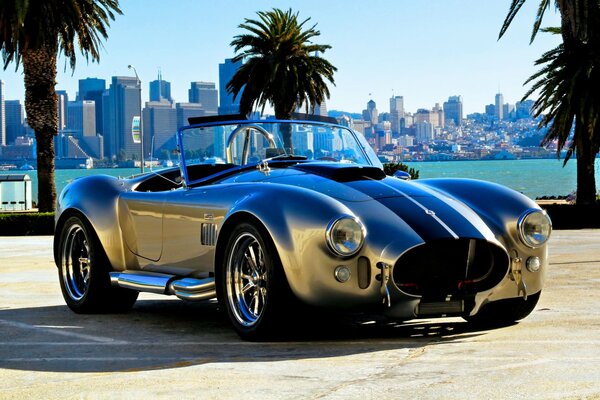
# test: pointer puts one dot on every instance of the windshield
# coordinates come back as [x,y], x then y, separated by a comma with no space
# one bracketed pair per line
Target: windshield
[252,142]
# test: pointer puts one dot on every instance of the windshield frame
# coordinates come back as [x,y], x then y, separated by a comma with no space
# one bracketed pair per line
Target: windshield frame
[361,145]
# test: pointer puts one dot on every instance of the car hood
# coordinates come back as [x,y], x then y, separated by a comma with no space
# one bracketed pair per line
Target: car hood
[430,214]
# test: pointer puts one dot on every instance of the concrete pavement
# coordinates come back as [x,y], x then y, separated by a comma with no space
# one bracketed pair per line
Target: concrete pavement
[168,348]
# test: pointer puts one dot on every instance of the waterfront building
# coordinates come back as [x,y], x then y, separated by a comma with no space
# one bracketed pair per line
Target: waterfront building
[2,116]
[499,107]
[453,110]
[14,120]
[160,126]
[68,146]
[160,90]
[22,149]
[205,94]
[63,102]
[93,89]
[227,105]
[406,141]
[121,102]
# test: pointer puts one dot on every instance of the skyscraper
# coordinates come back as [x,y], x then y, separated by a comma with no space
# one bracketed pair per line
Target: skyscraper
[63,101]
[82,117]
[396,112]
[371,114]
[2,116]
[187,110]
[205,94]
[88,86]
[93,89]
[160,90]
[121,103]
[226,103]
[453,110]
[160,125]
[424,131]
[499,107]
[14,120]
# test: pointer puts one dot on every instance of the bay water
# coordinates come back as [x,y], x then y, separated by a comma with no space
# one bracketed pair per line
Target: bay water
[534,178]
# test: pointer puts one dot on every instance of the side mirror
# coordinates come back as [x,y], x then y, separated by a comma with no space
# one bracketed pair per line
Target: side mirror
[405,176]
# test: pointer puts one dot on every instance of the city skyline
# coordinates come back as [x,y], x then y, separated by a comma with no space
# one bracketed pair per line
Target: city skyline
[423,52]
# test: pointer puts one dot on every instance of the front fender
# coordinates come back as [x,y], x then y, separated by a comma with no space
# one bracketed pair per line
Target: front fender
[296,219]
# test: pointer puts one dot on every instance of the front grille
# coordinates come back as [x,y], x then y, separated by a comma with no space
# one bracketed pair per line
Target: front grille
[450,267]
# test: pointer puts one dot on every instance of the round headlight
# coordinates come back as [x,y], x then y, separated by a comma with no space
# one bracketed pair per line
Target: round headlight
[345,235]
[534,228]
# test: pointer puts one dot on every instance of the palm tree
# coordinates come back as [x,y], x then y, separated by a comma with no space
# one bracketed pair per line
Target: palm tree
[569,100]
[34,33]
[282,66]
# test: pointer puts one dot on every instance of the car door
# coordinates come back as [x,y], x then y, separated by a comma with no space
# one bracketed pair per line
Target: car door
[190,224]
[141,221]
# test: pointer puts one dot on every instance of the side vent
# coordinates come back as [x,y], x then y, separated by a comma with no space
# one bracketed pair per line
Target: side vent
[208,234]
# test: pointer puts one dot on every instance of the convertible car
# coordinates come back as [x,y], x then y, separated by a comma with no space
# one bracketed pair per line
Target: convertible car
[267,214]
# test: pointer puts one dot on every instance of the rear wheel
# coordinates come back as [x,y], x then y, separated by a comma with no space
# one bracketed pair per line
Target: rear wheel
[504,312]
[252,287]
[83,272]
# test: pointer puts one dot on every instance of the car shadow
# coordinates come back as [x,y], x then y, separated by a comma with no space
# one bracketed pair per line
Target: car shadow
[159,334]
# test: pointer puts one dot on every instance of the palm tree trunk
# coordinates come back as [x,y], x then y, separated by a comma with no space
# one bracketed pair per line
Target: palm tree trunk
[586,177]
[41,106]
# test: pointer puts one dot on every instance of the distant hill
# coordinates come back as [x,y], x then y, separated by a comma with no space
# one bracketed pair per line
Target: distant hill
[338,113]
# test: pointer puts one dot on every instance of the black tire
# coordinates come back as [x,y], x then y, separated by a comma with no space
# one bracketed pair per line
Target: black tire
[83,272]
[251,285]
[504,312]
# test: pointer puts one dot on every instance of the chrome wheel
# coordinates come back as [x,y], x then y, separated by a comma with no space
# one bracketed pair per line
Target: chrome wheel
[246,280]
[76,262]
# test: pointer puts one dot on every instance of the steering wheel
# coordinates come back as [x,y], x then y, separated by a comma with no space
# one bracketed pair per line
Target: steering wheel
[247,129]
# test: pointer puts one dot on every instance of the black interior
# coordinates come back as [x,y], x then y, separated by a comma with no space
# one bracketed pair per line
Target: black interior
[172,179]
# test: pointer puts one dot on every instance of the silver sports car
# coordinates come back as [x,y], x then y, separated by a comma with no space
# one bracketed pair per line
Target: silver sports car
[263,226]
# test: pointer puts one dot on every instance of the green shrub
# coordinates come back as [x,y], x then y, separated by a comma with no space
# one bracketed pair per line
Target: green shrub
[25,224]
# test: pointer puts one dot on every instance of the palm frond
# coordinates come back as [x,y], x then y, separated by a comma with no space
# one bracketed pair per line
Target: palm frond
[513,10]
[279,69]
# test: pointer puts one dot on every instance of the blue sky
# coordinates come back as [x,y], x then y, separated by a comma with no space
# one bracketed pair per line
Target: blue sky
[422,50]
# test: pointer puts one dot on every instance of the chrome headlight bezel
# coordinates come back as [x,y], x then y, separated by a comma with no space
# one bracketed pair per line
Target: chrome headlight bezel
[534,233]
[350,246]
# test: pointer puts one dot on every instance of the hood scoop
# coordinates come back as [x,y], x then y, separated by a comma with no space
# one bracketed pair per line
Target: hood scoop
[342,172]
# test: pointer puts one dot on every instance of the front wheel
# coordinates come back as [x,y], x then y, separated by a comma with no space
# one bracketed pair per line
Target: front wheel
[83,271]
[252,286]
[504,312]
